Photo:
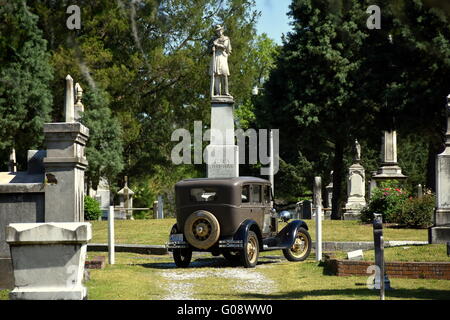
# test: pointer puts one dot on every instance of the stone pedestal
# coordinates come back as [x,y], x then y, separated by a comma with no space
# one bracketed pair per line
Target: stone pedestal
[440,232]
[222,155]
[389,169]
[48,260]
[356,192]
[65,164]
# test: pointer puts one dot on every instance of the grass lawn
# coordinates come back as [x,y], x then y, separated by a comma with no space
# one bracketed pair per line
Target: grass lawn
[157,231]
[150,277]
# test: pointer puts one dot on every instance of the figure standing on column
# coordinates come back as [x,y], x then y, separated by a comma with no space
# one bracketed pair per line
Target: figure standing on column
[219,70]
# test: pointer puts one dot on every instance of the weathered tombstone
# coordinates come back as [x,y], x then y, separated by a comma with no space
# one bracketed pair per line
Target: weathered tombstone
[329,193]
[356,187]
[419,191]
[160,207]
[379,255]
[373,184]
[440,232]
[307,209]
[222,155]
[126,201]
[12,165]
[48,260]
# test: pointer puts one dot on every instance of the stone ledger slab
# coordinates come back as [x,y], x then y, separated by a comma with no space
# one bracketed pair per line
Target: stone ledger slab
[48,260]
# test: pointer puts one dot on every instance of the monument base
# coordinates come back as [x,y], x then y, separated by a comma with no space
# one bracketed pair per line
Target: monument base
[48,260]
[352,214]
[222,161]
[6,274]
[389,172]
[79,293]
[439,234]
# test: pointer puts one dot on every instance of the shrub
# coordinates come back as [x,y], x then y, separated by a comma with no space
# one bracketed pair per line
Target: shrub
[387,200]
[417,212]
[91,209]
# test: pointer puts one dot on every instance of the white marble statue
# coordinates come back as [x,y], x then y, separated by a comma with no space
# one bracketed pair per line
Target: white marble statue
[219,70]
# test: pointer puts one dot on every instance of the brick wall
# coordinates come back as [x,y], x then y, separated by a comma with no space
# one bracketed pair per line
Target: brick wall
[413,270]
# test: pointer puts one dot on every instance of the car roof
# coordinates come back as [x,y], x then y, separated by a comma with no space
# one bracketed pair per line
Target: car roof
[221,181]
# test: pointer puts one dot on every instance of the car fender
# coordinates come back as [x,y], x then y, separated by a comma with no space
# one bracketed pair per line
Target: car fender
[287,235]
[245,227]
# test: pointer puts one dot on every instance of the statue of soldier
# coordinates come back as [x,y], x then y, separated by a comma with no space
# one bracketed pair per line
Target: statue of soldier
[219,70]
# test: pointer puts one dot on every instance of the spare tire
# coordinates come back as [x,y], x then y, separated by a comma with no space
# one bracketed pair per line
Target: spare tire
[202,229]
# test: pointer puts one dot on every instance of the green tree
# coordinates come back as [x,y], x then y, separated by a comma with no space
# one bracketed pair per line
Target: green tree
[151,60]
[25,96]
[104,147]
[317,94]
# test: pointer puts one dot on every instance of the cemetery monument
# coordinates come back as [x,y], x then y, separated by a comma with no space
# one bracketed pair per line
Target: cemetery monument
[222,155]
[356,187]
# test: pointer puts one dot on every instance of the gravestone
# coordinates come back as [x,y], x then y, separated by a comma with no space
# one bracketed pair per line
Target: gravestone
[307,209]
[440,232]
[126,202]
[51,190]
[329,193]
[356,188]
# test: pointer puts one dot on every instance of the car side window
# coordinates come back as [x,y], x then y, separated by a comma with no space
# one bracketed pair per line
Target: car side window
[256,193]
[245,196]
[266,194]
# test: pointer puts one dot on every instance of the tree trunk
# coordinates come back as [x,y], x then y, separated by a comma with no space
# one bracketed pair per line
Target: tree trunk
[338,167]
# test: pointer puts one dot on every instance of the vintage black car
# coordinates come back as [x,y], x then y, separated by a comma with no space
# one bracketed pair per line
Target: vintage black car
[233,217]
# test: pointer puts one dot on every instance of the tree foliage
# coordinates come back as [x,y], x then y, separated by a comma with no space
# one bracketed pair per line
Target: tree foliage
[25,72]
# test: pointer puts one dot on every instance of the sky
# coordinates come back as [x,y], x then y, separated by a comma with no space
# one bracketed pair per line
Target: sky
[273,20]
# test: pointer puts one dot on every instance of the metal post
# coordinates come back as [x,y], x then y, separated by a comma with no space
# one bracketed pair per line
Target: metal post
[271,170]
[318,202]
[382,272]
[111,249]
[382,281]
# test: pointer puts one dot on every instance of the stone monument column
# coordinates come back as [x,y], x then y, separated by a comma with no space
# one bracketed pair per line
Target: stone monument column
[356,187]
[65,164]
[389,170]
[440,232]
[222,155]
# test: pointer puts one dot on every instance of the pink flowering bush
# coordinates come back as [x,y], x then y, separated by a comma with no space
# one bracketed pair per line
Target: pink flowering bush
[388,200]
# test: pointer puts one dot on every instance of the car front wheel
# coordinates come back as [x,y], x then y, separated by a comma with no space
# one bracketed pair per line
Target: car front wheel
[301,248]
[182,257]
[249,256]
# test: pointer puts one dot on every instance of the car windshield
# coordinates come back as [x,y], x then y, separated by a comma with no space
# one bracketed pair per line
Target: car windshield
[203,194]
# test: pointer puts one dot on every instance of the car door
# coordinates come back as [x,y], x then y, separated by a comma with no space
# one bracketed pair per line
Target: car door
[257,205]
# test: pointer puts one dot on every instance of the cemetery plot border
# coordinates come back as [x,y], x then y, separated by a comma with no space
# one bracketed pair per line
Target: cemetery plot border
[410,270]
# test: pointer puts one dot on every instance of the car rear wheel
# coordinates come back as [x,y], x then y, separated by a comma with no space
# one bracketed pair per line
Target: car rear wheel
[202,229]
[301,248]
[182,257]
[249,255]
